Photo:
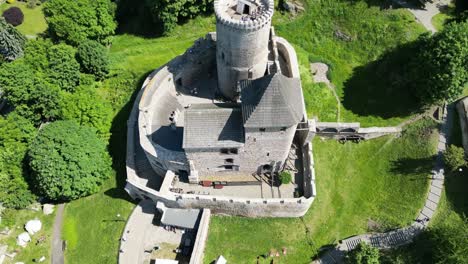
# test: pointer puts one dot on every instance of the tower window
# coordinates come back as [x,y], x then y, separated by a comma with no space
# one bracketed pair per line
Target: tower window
[224,151]
[233,151]
[222,56]
[230,161]
[262,129]
[228,167]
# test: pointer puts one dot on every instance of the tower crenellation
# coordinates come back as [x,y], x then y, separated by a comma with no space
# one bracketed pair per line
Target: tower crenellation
[243,32]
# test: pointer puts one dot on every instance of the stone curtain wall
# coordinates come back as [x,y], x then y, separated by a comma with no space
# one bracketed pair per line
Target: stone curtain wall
[202,235]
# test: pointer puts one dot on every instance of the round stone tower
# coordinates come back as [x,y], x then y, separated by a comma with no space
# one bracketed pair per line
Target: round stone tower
[242,38]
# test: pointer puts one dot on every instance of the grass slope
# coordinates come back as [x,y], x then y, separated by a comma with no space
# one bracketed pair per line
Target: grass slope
[34,21]
[91,225]
[372,33]
[384,180]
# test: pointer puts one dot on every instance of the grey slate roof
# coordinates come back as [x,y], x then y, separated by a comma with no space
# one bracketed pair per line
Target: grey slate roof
[271,101]
[213,126]
[183,218]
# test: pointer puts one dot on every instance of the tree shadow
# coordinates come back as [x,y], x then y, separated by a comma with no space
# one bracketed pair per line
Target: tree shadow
[135,18]
[455,190]
[383,87]
[118,144]
[418,169]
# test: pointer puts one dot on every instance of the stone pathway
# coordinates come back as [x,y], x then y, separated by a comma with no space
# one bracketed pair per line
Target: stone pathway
[424,16]
[319,74]
[57,242]
[404,235]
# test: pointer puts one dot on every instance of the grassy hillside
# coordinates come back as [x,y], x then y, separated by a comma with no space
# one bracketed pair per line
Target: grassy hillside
[370,186]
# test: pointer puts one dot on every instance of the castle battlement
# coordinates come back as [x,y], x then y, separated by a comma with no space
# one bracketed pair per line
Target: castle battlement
[256,14]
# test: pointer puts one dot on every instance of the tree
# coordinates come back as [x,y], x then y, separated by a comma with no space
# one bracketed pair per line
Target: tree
[13,16]
[11,41]
[64,70]
[170,12]
[15,135]
[87,108]
[79,20]
[454,157]
[440,70]
[363,254]
[32,97]
[68,161]
[93,59]
[285,177]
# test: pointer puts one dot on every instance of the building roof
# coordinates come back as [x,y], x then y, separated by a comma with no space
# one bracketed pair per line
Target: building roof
[182,218]
[271,101]
[213,126]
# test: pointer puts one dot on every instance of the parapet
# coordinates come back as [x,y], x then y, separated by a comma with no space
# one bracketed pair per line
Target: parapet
[227,14]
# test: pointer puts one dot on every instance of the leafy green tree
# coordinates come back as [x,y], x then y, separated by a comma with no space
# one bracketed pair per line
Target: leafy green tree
[93,59]
[79,20]
[285,177]
[440,70]
[170,12]
[11,41]
[16,133]
[87,108]
[31,96]
[64,70]
[36,53]
[363,254]
[454,157]
[68,161]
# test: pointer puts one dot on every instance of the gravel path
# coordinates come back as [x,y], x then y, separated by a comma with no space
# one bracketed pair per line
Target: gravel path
[424,16]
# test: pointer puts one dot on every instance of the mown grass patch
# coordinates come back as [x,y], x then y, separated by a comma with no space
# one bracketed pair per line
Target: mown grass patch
[15,220]
[34,21]
[383,180]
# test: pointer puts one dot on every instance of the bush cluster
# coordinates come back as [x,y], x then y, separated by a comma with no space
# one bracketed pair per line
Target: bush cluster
[14,16]
[454,157]
[285,177]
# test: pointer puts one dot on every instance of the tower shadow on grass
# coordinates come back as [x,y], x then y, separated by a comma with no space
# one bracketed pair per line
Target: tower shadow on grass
[383,87]
[455,189]
[118,144]
[417,169]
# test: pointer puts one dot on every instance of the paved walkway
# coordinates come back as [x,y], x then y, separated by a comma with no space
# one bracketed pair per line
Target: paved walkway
[404,235]
[424,16]
[57,242]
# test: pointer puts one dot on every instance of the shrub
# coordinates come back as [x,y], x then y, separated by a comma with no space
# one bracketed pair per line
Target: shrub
[76,21]
[14,16]
[363,254]
[64,70]
[11,1]
[454,157]
[170,12]
[11,41]
[93,59]
[68,161]
[285,177]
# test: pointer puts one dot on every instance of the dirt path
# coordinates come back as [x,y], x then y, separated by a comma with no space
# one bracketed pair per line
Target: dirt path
[424,16]
[57,250]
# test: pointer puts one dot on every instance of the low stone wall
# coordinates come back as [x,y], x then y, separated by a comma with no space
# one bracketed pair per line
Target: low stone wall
[347,130]
[202,235]
[289,54]
[309,171]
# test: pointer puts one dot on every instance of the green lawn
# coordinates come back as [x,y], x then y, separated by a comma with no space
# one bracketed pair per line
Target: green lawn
[383,180]
[15,220]
[34,22]
[90,227]
[368,86]
[451,212]
[439,20]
